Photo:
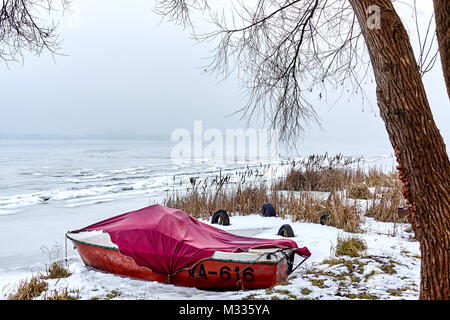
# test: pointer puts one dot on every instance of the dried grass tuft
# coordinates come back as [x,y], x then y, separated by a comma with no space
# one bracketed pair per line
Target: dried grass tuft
[350,246]
[29,289]
[316,186]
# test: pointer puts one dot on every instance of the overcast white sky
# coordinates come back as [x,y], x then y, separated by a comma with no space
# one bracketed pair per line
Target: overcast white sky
[125,72]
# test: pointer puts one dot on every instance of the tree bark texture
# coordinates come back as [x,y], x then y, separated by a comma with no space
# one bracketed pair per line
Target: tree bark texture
[420,149]
[442,15]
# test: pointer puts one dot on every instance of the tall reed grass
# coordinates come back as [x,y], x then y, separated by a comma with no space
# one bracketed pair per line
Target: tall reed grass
[316,186]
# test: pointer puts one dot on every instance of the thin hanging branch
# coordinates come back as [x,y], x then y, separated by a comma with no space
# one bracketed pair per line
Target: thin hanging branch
[285,54]
[22,28]
[428,49]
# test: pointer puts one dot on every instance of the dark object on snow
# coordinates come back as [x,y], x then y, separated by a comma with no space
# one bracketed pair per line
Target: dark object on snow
[268,210]
[403,212]
[323,218]
[221,217]
[286,231]
[290,262]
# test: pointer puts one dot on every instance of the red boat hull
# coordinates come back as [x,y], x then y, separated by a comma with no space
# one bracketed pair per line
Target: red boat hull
[209,274]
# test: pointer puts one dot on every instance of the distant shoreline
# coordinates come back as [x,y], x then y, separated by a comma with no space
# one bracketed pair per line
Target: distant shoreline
[112,137]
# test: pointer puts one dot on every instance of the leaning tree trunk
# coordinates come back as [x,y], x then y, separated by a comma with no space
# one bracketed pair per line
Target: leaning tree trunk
[442,14]
[423,160]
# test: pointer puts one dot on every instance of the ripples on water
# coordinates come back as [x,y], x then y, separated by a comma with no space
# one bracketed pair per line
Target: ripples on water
[80,173]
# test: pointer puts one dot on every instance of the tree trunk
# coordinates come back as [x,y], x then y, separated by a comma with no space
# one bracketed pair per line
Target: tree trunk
[442,14]
[423,161]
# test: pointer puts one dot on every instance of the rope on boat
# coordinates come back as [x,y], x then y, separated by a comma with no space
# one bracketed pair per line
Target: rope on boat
[169,276]
[271,253]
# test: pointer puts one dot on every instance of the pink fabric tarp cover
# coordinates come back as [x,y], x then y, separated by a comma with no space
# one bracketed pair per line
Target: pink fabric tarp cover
[167,240]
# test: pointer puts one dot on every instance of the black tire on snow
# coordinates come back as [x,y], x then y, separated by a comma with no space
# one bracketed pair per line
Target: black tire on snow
[286,231]
[268,210]
[221,217]
[324,218]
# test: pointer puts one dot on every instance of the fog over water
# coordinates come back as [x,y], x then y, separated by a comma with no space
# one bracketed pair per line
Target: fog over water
[125,74]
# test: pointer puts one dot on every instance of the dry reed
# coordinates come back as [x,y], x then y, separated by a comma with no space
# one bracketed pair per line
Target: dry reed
[29,289]
[311,188]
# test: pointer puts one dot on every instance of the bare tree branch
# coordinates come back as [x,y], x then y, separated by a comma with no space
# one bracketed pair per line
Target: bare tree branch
[285,53]
[23,28]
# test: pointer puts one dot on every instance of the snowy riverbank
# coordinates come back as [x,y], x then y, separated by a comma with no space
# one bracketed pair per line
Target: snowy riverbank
[389,269]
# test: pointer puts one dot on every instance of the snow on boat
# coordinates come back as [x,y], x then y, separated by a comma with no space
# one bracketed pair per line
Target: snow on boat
[167,245]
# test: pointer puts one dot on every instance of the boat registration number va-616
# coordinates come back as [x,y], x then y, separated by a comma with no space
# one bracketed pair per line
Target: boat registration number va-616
[225,273]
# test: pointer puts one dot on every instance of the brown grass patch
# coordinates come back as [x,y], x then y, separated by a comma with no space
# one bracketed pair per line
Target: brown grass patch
[203,203]
[321,173]
[301,194]
[29,289]
[57,270]
[247,200]
[385,203]
[376,177]
[359,191]
[327,179]
[350,246]
[63,294]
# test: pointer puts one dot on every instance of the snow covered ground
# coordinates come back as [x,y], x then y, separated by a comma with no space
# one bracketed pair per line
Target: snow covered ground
[48,188]
[389,269]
